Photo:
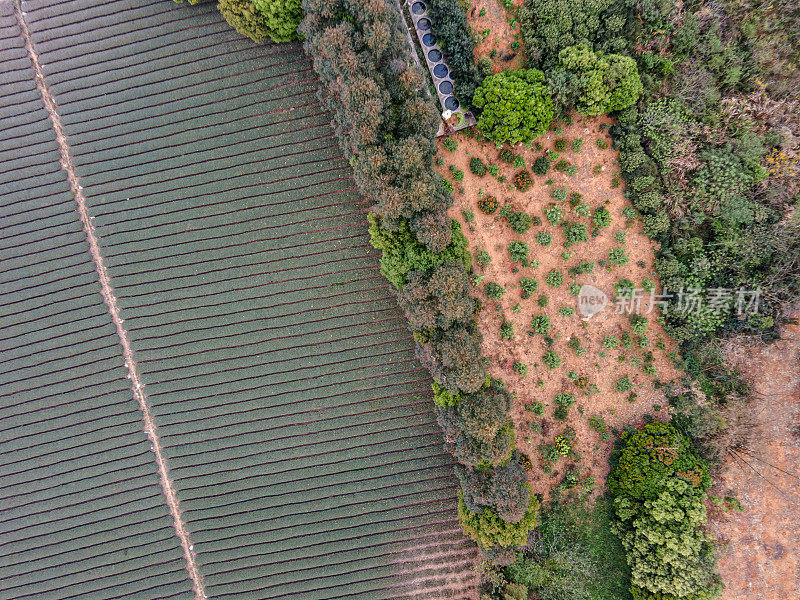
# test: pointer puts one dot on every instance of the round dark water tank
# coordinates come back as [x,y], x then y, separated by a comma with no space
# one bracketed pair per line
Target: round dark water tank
[423,24]
[440,71]
[451,103]
[446,87]
[428,39]
[418,8]
[434,56]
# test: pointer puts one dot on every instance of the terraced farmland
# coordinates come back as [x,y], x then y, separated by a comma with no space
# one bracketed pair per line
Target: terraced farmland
[294,420]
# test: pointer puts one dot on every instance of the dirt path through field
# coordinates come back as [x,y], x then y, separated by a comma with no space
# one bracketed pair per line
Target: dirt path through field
[759,559]
[499,39]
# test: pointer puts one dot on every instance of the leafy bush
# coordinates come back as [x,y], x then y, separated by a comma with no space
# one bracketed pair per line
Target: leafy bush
[562,165]
[555,278]
[523,181]
[543,239]
[518,251]
[529,286]
[610,342]
[487,205]
[541,165]
[624,288]
[584,266]
[540,324]
[564,399]
[482,257]
[554,214]
[494,290]
[623,384]
[577,145]
[450,144]
[566,311]
[601,218]
[575,233]
[458,174]
[519,221]
[516,106]
[639,323]
[507,156]
[477,167]
[617,256]
[506,330]
[597,424]
[551,360]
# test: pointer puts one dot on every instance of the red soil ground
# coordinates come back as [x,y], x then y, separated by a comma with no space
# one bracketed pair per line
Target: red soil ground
[497,44]
[492,233]
[760,546]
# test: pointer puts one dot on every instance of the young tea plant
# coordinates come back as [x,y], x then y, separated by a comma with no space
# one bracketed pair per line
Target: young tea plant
[494,290]
[529,286]
[555,278]
[540,324]
[518,252]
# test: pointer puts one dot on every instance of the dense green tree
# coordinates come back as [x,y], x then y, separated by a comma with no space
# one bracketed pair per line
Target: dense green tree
[489,530]
[606,82]
[484,412]
[245,18]
[453,356]
[516,106]
[440,299]
[503,489]
[402,252]
[282,18]
[549,26]
[659,485]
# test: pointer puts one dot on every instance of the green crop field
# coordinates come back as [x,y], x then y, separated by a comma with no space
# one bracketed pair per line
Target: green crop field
[295,421]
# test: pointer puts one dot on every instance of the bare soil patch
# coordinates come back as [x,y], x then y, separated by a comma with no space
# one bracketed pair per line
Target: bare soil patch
[760,546]
[492,22]
[603,367]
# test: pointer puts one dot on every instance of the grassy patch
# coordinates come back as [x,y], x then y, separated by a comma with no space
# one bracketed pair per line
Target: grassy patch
[573,555]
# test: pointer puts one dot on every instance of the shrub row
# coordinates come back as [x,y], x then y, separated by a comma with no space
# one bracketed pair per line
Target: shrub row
[386,128]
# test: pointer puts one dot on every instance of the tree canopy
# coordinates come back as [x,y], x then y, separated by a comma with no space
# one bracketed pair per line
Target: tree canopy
[516,106]
[604,82]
